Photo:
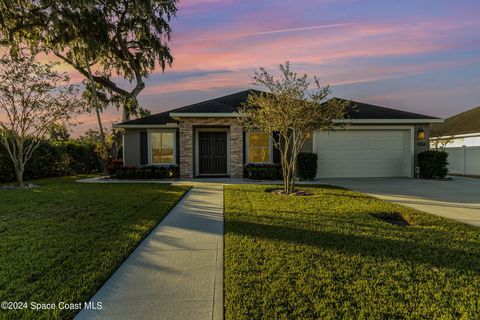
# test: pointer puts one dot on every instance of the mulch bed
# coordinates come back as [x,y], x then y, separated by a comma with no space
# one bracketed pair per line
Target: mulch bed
[295,193]
[26,186]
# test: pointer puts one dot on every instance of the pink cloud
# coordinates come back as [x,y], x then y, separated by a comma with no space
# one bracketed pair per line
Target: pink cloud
[89,121]
[215,81]
[354,41]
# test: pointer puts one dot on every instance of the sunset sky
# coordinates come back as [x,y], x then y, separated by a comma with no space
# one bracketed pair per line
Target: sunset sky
[415,55]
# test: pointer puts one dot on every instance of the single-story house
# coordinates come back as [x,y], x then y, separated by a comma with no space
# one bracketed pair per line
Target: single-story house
[206,139]
[460,130]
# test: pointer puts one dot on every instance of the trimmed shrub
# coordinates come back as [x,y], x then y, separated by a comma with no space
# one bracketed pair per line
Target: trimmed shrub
[113,166]
[130,173]
[160,173]
[433,164]
[263,171]
[139,173]
[147,172]
[119,173]
[307,165]
[173,172]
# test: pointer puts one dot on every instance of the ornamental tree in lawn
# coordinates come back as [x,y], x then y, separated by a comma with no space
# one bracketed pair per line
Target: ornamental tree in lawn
[34,100]
[292,109]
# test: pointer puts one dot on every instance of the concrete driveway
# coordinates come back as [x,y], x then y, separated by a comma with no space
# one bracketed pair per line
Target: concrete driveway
[458,199]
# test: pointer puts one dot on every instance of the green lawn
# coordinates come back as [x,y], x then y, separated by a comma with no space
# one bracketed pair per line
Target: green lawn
[327,256]
[61,241]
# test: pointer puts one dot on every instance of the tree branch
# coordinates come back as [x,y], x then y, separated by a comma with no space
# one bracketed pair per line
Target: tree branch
[100,80]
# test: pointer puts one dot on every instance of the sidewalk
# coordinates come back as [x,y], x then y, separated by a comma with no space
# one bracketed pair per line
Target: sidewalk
[177,271]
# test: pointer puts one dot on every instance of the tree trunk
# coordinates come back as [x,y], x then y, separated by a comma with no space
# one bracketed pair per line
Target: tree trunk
[290,180]
[19,173]
[287,179]
[285,173]
[294,171]
[286,182]
[125,114]
[99,119]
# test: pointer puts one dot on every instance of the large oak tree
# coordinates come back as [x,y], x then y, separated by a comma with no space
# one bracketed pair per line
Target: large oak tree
[102,39]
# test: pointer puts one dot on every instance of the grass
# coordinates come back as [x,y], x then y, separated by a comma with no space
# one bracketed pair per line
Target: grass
[61,241]
[332,256]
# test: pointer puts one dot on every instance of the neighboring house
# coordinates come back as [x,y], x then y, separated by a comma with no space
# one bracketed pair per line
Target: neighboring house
[206,139]
[462,129]
[459,135]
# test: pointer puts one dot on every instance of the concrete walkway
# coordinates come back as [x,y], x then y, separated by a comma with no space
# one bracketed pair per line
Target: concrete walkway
[177,271]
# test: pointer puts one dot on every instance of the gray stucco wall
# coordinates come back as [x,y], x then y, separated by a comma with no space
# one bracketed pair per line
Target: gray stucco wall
[131,147]
[308,146]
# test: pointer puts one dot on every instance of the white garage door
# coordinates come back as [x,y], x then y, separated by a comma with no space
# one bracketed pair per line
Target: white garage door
[363,153]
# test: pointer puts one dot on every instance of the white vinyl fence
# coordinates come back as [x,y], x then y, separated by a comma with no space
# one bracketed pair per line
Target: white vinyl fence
[464,160]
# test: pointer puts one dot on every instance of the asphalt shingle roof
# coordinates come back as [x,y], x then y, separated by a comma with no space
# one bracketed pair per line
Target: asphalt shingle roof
[462,123]
[360,110]
[231,103]
[158,118]
[226,104]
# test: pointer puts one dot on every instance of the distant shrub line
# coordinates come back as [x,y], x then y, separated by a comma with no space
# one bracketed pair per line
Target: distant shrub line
[54,159]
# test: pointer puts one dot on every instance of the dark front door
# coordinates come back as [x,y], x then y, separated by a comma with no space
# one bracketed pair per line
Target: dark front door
[212,153]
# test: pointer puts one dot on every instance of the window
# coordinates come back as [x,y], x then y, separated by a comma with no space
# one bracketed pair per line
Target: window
[162,147]
[259,149]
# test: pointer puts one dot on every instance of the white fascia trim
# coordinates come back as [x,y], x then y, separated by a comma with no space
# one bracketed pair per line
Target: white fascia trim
[146,126]
[175,115]
[409,121]
[454,136]
[369,127]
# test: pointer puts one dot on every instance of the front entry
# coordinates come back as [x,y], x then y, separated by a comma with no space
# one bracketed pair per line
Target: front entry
[212,153]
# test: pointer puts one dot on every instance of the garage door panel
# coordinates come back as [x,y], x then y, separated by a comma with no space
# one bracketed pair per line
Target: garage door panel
[363,153]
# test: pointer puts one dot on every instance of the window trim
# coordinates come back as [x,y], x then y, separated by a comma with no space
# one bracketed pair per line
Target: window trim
[173,132]
[247,151]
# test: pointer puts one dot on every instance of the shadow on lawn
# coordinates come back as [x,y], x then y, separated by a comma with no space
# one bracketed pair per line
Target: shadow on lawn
[316,189]
[410,251]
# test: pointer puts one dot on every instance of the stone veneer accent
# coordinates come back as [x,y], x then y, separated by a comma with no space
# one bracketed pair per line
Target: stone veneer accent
[187,126]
